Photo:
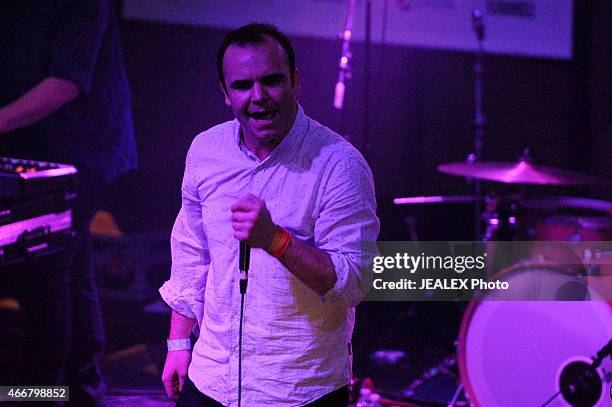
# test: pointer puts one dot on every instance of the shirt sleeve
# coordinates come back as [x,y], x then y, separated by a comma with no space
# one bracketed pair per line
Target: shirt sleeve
[77,40]
[346,228]
[184,291]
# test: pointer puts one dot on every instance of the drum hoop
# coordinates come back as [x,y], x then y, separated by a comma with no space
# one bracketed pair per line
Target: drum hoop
[543,209]
[461,352]
[559,201]
[533,263]
[582,222]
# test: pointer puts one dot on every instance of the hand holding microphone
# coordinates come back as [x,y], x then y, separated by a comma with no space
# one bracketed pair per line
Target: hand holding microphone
[252,222]
[253,227]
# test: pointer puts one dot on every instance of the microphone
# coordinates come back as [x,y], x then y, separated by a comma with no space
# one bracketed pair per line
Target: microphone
[478,24]
[244,262]
[339,93]
[345,58]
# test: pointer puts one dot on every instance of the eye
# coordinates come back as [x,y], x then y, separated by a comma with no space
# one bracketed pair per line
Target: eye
[273,80]
[241,85]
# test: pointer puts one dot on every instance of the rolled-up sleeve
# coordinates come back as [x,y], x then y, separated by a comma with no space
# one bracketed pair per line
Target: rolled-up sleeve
[184,291]
[346,223]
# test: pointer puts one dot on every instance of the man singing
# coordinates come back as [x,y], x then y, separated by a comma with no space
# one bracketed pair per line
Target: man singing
[303,199]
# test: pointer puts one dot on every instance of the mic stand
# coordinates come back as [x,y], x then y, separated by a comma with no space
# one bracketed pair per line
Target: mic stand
[605,351]
[345,59]
[479,118]
[244,261]
[366,79]
[579,382]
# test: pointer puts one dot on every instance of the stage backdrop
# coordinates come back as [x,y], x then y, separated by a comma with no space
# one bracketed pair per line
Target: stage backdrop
[541,28]
[421,110]
[416,113]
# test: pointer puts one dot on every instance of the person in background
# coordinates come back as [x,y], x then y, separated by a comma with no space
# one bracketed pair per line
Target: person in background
[64,98]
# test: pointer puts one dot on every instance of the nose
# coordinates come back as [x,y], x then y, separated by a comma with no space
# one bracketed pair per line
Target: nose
[259,93]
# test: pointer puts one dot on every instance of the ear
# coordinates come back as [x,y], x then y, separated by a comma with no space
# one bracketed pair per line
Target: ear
[227,101]
[296,82]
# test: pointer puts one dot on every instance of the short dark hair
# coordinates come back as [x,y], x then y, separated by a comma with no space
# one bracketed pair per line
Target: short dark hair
[254,33]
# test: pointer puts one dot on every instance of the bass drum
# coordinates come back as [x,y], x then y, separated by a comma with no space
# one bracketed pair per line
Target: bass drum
[512,353]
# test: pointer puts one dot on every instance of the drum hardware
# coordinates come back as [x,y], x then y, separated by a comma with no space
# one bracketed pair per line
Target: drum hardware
[411,224]
[453,401]
[603,352]
[594,259]
[446,366]
[499,218]
[434,387]
[357,385]
[599,255]
[579,381]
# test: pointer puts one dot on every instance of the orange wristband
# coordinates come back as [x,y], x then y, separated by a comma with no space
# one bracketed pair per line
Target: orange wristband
[280,243]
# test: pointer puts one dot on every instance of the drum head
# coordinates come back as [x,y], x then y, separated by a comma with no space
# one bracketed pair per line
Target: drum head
[511,353]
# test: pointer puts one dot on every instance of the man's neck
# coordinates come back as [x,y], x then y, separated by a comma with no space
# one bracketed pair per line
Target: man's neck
[263,150]
[260,150]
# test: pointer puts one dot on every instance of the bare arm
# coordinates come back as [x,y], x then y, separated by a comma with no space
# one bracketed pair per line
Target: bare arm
[310,265]
[177,361]
[180,326]
[39,102]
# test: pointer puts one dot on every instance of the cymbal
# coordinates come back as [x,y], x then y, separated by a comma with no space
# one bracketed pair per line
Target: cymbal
[520,172]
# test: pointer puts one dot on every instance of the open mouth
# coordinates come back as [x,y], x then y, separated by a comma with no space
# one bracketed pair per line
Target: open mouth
[265,115]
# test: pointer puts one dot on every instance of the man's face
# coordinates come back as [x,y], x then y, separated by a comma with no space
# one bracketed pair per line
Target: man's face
[259,90]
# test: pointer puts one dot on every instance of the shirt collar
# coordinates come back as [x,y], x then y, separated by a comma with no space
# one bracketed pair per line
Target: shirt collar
[288,143]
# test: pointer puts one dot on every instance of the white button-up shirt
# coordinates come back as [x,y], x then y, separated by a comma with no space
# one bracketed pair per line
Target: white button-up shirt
[296,343]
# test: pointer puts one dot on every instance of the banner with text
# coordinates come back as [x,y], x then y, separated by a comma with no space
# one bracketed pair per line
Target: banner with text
[538,28]
[499,271]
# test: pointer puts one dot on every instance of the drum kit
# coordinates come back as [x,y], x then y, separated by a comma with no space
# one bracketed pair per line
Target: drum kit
[553,348]
[535,353]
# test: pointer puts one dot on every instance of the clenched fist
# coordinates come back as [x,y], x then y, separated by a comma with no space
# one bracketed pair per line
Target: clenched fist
[252,222]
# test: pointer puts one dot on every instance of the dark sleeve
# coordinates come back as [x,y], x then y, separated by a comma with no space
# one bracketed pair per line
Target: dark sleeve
[77,40]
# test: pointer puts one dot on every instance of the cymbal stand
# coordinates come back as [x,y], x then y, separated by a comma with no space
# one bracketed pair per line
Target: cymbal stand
[453,401]
[479,118]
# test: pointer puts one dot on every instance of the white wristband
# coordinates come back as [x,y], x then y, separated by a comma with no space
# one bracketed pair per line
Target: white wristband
[179,344]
